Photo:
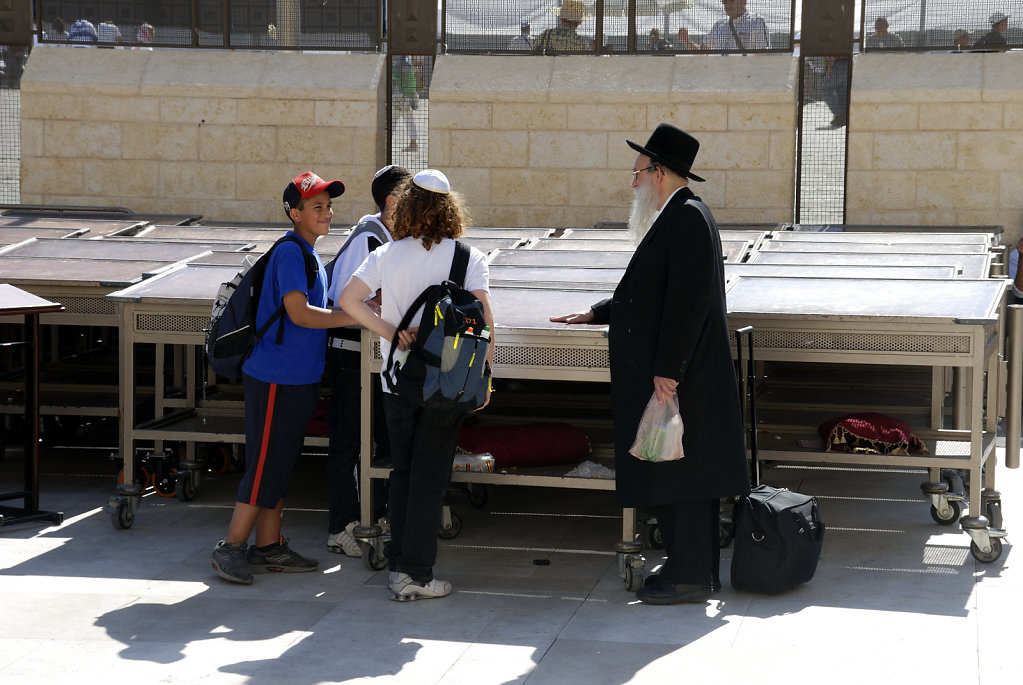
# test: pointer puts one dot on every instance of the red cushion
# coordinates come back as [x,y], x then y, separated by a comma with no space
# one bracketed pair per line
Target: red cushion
[531,444]
[871,434]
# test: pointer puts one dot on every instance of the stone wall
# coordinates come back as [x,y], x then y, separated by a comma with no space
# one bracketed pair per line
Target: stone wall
[540,141]
[215,133]
[937,139]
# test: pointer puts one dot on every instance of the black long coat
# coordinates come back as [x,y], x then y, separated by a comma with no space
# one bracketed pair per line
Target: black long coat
[668,318]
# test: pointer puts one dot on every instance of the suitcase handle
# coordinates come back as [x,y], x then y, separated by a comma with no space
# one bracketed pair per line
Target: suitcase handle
[747,393]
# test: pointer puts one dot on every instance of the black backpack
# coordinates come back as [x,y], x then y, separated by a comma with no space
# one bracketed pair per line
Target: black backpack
[371,227]
[446,363]
[232,333]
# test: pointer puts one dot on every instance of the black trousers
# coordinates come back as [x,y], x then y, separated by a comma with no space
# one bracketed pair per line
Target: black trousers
[692,540]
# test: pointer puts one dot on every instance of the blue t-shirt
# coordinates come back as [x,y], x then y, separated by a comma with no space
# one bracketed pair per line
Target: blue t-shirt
[299,359]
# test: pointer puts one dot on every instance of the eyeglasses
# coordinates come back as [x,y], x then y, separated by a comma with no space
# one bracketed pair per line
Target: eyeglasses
[635,174]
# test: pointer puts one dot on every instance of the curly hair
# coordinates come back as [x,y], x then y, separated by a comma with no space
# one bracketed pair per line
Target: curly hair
[428,216]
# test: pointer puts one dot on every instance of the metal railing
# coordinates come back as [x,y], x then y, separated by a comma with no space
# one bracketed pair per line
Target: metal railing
[954,25]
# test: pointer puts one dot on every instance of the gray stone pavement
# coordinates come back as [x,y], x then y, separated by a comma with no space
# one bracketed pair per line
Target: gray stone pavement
[896,598]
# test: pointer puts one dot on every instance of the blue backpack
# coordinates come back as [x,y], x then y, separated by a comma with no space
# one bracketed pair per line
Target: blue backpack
[446,365]
[232,333]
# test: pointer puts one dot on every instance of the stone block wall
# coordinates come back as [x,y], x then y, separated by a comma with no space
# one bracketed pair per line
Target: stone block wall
[937,139]
[540,141]
[199,131]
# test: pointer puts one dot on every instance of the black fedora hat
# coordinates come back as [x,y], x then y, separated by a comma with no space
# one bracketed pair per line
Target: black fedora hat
[672,147]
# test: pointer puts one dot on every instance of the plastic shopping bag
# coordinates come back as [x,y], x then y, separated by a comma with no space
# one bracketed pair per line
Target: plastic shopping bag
[659,437]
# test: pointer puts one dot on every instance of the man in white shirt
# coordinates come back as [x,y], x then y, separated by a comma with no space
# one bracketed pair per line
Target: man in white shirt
[741,31]
[107,32]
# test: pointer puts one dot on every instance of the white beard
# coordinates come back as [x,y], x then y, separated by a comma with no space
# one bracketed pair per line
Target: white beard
[644,211]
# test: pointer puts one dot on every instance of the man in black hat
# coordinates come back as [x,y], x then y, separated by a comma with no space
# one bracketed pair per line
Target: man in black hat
[668,337]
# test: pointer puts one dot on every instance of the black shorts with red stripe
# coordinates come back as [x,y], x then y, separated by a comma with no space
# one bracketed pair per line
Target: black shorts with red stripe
[276,417]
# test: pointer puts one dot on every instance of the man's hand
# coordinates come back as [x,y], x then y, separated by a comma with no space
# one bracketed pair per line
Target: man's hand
[578,317]
[664,388]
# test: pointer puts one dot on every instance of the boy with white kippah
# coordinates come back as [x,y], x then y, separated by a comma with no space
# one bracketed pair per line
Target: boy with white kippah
[429,216]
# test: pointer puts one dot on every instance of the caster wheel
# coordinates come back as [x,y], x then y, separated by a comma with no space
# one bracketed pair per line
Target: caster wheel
[477,495]
[654,539]
[186,486]
[374,560]
[123,517]
[166,483]
[996,551]
[451,532]
[633,579]
[218,458]
[955,510]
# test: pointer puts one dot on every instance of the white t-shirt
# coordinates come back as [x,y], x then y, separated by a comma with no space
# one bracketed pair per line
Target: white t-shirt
[403,269]
[752,30]
[353,256]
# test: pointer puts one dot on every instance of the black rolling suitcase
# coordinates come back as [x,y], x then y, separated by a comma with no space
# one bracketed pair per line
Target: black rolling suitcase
[778,533]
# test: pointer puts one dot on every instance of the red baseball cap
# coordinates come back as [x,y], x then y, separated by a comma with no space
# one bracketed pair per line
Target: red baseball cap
[307,185]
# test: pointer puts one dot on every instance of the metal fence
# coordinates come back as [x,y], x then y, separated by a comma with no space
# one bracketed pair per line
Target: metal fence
[955,25]
[254,24]
[612,26]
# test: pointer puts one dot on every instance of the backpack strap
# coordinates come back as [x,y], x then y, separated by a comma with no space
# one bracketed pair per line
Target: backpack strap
[311,269]
[459,264]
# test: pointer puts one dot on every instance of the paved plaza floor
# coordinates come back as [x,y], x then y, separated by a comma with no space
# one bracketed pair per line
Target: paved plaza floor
[896,598]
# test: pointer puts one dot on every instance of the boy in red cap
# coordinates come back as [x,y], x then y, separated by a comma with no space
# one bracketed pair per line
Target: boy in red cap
[282,386]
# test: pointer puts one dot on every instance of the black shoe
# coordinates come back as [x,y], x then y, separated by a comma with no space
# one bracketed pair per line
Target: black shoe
[279,559]
[666,593]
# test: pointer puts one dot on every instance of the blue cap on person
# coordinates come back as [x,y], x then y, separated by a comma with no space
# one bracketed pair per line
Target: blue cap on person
[307,185]
[432,180]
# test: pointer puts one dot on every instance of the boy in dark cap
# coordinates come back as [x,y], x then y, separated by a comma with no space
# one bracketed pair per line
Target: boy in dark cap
[282,386]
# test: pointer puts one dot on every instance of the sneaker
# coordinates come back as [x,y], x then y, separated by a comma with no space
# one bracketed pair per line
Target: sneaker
[404,589]
[344,542]
[280,559]
[229,561]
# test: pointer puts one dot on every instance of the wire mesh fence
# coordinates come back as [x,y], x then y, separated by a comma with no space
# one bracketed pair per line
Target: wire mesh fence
[606,26]
[12,61]
[258,24]
[823,119]
[897,25]
[409,110]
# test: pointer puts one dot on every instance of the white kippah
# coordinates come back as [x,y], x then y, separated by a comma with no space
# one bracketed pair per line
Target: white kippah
[384,170]
[432,180]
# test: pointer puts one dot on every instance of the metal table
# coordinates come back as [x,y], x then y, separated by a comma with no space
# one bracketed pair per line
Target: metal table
[16,302]
[733,271]
[933,323]
[967,266]
[888,238]
[864,247]
[507,233]
[172,308]
[91,228]
[554,278]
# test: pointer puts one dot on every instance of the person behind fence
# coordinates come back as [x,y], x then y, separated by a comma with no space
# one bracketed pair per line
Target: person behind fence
[406,98]
[739,30]
[58,33]
[657,43]
[563,37]
[282,386]
[995,38]
[523,41]
[428,218]
[668,336]
[82,31]
[145,35]
[882,38]
[344,360]
[835,89]
[107,32]
[960,40]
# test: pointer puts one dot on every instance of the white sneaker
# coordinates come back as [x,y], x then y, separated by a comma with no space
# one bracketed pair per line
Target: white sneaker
[344,542]
[404,589]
